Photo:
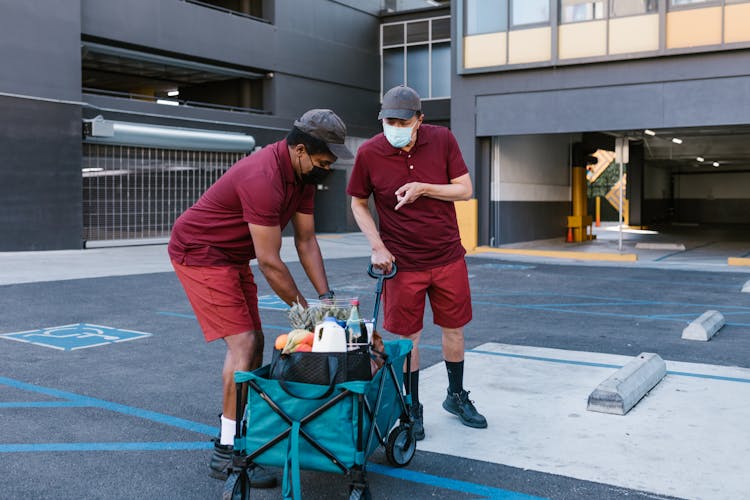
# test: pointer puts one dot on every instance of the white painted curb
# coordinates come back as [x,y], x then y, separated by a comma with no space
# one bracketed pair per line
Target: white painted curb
[704,327]
[746,287]
[622,390]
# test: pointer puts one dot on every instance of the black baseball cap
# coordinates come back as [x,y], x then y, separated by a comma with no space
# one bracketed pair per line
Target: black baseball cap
[400,102]
[325,125]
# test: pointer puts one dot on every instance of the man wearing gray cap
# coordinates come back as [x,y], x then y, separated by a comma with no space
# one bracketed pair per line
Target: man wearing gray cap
[415,172]
[240,218]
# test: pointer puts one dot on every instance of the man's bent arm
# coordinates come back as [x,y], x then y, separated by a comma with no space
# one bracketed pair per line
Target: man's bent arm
[381,256]
[459,189]
[267,243]
[309,251]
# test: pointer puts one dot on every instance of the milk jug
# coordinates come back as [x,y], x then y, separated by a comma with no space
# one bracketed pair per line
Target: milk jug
[329,336]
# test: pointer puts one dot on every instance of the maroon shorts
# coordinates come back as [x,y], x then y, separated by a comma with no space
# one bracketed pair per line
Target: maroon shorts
[224,298]
[448,289]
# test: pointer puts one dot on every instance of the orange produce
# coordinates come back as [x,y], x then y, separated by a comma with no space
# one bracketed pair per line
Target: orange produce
[303,347]
[308,339]
[280,341]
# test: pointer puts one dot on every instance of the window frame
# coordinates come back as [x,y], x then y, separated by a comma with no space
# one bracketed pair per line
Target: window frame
[604,17]
[404,45]
[610,9]
[506,4]
[512,26]
[702,5]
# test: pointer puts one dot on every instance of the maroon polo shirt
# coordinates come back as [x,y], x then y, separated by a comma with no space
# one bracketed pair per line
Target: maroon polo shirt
[424,234]
[259,189]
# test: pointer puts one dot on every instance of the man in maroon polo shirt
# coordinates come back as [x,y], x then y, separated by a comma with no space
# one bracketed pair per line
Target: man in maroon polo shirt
[415,172]
[240,218]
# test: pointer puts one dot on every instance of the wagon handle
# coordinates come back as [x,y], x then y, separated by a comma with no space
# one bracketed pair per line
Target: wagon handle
[380,276]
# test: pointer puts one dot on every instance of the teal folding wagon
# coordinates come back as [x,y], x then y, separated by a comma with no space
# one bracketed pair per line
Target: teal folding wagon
[298,426]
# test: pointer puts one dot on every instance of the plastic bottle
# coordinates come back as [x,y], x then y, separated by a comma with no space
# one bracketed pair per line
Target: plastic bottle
[355,326]
[329,336]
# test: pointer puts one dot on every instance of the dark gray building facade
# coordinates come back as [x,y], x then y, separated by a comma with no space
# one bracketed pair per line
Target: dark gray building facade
[242,69]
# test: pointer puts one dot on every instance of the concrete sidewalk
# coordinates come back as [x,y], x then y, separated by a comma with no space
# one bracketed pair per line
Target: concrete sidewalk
[698,249]
[31,267]
[686,438]
[700,253]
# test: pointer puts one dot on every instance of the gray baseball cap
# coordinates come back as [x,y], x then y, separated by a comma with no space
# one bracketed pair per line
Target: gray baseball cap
[400,102]
[325,125]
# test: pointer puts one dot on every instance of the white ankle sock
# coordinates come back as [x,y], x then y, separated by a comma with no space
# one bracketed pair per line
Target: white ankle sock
[228,428]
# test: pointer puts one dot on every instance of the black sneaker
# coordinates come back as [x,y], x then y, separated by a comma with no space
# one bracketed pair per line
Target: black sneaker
[221,461]
[221,465]
[460,404]
[418,424]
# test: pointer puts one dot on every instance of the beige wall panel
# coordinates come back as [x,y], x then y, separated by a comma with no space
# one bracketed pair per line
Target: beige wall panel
[694,27]
[634,34]
[485,50]
[737,23]
[587,39]
[531,45]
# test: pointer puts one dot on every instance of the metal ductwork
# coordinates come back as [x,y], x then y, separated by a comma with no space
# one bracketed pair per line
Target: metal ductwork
[101,131]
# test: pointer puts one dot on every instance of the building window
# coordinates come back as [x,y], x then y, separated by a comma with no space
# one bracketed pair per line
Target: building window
[622,8]
[680,3]
[526,12]
[572,11]
[417,54]
[248,8]
[485,16]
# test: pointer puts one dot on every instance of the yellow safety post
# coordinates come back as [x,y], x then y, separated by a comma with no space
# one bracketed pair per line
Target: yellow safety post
[580,220]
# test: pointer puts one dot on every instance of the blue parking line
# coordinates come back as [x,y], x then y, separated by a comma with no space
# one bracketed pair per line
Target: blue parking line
[603,365]
[449,484]
[617,299]
[159,446]
[44,404]
[663,257]
[115,407]
[75,400]
[658,317]
[192,316]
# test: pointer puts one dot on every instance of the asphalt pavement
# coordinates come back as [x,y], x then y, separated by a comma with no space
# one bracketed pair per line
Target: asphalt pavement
[107,389]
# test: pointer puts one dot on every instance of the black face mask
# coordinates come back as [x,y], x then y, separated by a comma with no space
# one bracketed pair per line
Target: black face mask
[316,175]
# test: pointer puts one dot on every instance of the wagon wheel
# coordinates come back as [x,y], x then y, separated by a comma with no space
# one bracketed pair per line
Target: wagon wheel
[401,445]
[237,486]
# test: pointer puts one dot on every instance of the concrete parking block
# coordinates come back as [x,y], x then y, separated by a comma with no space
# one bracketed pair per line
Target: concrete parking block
[623,389]
[704,327]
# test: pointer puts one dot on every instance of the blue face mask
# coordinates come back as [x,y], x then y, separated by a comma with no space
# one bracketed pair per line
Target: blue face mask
[397,136]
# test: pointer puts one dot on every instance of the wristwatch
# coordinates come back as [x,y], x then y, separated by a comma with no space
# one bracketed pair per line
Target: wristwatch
[328,295]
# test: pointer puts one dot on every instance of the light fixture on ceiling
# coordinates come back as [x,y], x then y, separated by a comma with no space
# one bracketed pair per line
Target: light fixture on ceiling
[649,132]
[716,164]
[167,102]
[700,159]
[676,140]
[173,93]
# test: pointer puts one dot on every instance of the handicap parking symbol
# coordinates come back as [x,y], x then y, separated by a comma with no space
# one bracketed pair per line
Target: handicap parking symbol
[75,336]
